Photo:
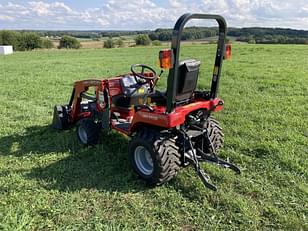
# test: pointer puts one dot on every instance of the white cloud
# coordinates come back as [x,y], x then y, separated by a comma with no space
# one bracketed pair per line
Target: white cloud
[146,14]
[6,18]
[46,9]
[267,13]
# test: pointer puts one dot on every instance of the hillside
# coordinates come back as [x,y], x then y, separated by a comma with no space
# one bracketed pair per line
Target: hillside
[253,34]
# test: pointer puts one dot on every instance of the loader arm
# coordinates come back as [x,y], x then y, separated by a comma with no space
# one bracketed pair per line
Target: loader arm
[75,100]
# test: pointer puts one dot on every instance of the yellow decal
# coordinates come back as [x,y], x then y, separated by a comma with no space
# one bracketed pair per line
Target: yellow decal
[141,91]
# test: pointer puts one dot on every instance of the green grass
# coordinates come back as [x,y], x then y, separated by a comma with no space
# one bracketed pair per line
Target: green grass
[49,182]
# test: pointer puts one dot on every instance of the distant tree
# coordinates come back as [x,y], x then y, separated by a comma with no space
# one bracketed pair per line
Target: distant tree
[29,41]
[109,43]
[47,43]
[120,42]
[143,39]
[69,42]
[187,35]
[165,35]
[281,39]
[156,43]
[212,41]
[252,41]
[9,38]
[153,36]
[22,41]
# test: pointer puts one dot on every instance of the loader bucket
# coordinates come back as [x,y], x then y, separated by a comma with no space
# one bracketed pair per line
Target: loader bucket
[60,117]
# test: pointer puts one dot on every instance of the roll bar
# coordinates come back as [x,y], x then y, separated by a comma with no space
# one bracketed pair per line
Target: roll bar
[175,46]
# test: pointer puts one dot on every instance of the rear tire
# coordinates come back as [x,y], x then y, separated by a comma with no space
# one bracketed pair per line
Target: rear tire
[215,134]
[154,156]
[88,132]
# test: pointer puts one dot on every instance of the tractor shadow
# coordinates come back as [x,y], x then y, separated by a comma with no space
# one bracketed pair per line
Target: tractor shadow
[38,140]
[98,168]
[104,167]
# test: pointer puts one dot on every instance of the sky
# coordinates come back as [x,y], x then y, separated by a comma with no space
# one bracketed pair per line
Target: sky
[147,14]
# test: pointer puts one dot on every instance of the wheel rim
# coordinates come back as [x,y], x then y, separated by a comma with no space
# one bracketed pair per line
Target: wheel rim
[82,134]
[143,160]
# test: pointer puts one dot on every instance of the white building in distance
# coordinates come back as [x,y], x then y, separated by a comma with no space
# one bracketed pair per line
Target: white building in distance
[6,50]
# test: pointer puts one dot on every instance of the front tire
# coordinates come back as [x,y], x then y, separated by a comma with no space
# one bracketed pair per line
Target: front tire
[154,156]
[88,132]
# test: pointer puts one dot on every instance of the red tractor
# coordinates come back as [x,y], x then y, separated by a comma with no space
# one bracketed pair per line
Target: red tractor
[168,130]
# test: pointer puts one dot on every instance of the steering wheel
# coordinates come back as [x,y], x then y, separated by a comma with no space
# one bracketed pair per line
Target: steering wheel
[142,75]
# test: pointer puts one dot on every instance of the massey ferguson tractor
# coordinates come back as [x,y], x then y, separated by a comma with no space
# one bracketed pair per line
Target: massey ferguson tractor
[169,129]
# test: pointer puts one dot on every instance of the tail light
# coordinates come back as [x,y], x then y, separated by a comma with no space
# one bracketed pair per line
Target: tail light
[228,52]
[166,59]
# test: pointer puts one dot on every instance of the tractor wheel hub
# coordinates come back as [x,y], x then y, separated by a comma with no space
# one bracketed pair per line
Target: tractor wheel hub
[143,160]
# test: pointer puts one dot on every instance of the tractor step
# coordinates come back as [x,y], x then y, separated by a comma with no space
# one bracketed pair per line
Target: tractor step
[122,124]
[194,133]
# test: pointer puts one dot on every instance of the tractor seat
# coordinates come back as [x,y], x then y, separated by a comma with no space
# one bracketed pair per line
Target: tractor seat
[187,80]
[186,84]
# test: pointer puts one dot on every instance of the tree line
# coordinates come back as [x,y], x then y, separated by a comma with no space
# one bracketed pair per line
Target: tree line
[95,34]
[25,40]
[140,39]
[22,41]
[251,35]
[269,35]
[29,40]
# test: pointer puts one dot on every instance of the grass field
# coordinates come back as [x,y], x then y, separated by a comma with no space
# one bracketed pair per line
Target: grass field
[49,182]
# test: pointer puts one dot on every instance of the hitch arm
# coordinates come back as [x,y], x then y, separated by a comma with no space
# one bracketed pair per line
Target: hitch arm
[218,161]
[205,178]
[213,158]
[193,159]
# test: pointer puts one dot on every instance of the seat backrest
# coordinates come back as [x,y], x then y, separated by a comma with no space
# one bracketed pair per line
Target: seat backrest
[187,79]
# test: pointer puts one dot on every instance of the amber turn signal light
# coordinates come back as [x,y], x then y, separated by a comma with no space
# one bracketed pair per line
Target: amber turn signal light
[166,59]
[228,52]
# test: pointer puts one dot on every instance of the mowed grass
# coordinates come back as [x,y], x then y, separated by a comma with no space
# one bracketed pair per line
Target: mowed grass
[49,182]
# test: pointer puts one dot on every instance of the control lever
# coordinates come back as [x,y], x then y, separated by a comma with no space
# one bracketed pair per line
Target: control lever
[161,72]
